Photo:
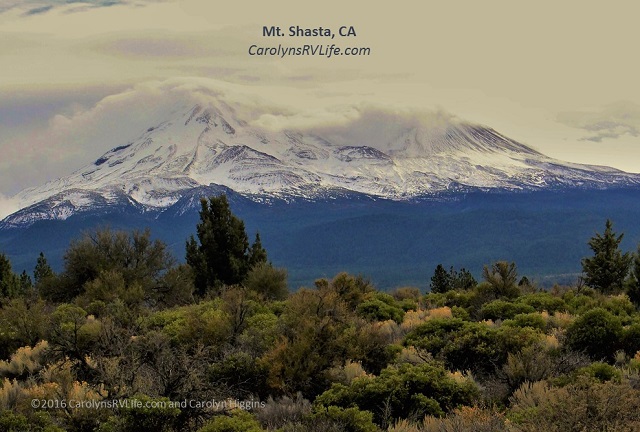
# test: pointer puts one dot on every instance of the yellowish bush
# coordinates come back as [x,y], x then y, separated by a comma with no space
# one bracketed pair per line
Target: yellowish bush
[488,323]
[414,356]
[462,377]
[11,393]
[562,319]
[533,394]
[25,360]
[550,342]
[587,405]
[404,293]
[441,312]
[347,373]
[390,330]
[404,426]
[413,319]
[466,419]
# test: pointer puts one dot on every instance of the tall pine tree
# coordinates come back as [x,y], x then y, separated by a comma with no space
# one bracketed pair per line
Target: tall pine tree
[608,268]
[441,280]
[10,285]
[221,255]
[42,270]
[257,253]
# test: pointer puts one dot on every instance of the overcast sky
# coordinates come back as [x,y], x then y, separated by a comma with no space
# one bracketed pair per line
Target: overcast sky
[77,77]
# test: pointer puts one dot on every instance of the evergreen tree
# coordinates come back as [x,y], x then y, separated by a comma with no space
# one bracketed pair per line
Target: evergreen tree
[524,282]
[221,256]
[257,253]
[462,279]
[9,281]
[24,282]
[441,280]
[42,270]
[608,268]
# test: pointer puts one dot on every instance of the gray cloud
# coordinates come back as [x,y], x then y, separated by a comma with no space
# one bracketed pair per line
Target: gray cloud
[7,206]
[50,135]
[72,130]
[612,122]
[38,10]
[37,7]
[378,126]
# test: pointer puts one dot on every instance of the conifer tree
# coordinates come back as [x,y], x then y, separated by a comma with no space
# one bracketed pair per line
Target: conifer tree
[9,281]
[221,256]
[441,280]
[24,282]
[608,268]
[257,253]
[42,270]
[462,279]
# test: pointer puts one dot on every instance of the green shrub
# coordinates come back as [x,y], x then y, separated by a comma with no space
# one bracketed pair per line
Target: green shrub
[631,339]
[377,310]
[464,345]
[140,416]
[239,421]
[544,301]
[601,371]
[38,422]
[345,419]
[597,332]
[501,309]
[407,391]
[533,320]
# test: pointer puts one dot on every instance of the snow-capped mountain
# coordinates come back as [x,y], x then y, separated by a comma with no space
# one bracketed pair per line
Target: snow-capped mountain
[204,145]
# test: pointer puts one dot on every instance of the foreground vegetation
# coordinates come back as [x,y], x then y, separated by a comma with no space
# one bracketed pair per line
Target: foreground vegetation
[223,339]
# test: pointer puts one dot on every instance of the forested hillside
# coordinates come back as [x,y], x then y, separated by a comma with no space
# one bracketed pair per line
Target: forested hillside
[125,339]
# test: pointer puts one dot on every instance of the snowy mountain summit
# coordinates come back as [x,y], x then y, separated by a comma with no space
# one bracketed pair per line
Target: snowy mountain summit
[209,145]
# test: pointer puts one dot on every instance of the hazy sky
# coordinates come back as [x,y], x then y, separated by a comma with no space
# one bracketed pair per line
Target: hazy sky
[77,77]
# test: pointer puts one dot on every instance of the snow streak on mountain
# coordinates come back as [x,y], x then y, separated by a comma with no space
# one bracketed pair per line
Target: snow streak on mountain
[204,145]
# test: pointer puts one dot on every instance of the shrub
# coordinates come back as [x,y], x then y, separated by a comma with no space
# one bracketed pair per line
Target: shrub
[465,345]
[377,310]
[267,280]
[466,419]
[345,419]
[544,301]
[601,371]
[533,320]
[597,332]
[406,293]
[141,418]
[239,375]
[239,421]
[37,422]
[276,414]
[501,309]
[403,391]
[583,406]
[25,361]
[631,339]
